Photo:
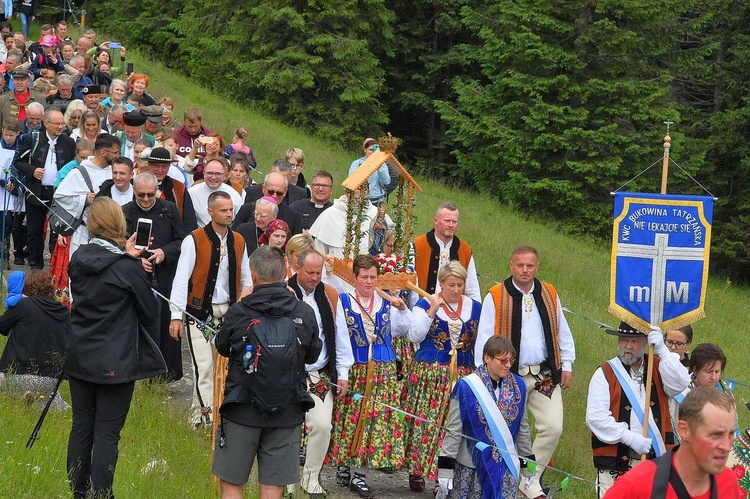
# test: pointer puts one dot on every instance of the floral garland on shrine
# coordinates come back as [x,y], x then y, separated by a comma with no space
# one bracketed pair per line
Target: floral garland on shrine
[403,217]
[355,217]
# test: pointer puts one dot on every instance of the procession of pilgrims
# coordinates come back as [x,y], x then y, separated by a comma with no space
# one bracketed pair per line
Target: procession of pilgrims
[420,396]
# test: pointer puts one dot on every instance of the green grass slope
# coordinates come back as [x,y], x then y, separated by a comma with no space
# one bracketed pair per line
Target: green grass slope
[578,267]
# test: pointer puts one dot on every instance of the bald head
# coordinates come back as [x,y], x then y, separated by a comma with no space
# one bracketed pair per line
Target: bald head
[275,186]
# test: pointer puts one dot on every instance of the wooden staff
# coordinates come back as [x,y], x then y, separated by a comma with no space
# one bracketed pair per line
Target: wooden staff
[360,428]
[421,292]
[220,377]
[650,367]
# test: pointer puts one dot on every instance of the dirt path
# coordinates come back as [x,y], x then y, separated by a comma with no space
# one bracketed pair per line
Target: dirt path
[382,484]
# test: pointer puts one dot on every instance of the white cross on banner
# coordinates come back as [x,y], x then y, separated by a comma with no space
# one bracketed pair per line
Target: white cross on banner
[660,251]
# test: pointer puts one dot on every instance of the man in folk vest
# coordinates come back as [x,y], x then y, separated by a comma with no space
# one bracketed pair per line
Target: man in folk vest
[332,365]
[212,270]
[440,246]
[529,312]
[159,161]
[617,395]
[698,467]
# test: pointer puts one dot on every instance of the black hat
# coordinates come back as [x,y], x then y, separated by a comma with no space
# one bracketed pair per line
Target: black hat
[159,155]
[134,118]
[93,89]
[153,113]
[20,73]
[626,329]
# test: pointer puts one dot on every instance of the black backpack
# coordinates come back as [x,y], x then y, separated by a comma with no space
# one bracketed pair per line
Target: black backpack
[274,379]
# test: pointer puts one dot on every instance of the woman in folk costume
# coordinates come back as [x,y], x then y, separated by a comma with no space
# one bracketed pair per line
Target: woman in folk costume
[489,406]
[444,328]
[366,434]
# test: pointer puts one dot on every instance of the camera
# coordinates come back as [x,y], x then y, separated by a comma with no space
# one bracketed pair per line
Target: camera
[115,45]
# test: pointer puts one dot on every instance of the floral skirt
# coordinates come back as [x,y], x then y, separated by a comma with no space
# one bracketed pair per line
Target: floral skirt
[426,393]
[739,460]
[382,444]
[404,355]
[465,484]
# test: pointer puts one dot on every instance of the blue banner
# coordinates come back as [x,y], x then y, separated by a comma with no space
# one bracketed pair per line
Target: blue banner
[660,249]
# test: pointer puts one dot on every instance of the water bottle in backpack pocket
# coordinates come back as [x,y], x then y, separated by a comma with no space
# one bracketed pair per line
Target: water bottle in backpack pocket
[270,377]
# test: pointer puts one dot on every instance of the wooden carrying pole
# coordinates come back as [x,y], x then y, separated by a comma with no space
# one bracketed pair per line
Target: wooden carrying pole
[650,367]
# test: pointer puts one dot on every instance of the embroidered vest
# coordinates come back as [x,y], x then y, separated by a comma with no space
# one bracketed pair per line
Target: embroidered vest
[207,258]
[615,456]
[327,299]
[508,312]
[382,348]
[427,258]
[175,192]
[436,346]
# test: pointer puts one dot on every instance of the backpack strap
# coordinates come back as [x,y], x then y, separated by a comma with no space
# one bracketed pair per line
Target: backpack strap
[666,475]
[661,478]
[34,142]
[86,177]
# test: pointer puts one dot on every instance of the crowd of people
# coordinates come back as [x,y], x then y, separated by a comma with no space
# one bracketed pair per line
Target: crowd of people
[243,271]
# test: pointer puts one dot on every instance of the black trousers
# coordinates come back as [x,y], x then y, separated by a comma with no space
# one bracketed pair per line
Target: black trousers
[20,239]
[35,219]
[99,413]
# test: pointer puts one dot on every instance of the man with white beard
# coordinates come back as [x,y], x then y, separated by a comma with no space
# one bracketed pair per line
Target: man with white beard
[617,395]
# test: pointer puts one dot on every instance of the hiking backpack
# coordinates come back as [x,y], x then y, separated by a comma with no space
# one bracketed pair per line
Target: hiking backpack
[272,380]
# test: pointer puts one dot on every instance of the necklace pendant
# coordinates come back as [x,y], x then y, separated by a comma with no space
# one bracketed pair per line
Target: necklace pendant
[528,303]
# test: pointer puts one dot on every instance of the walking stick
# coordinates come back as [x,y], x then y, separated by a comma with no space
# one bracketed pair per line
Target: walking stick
[35,432]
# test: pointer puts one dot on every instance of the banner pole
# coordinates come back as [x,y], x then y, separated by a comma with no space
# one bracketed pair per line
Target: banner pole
[650,367]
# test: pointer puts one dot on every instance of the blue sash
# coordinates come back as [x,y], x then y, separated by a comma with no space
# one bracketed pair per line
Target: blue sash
[496,423]
[653,430]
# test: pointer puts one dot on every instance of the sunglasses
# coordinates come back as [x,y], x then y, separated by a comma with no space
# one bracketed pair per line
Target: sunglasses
[146,194]
[275,193]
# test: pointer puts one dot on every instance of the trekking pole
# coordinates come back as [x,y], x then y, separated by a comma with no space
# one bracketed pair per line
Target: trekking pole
[27,192]
[35,432]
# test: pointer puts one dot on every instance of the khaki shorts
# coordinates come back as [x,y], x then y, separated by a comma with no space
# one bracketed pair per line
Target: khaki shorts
[277,450]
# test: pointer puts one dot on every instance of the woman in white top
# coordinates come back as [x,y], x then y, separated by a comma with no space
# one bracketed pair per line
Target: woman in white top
[89,127]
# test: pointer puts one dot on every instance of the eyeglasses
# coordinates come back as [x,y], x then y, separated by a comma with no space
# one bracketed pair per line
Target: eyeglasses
[262,216]
[75,116]
[507,362]
[297,166]
[678,344]
[321,186]
[271,192]
[146,194]
[213,174]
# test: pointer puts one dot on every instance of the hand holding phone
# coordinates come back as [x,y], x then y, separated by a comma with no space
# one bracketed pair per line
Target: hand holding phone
[143,233]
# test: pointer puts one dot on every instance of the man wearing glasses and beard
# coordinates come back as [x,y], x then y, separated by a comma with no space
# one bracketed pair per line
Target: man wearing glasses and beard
[160,260]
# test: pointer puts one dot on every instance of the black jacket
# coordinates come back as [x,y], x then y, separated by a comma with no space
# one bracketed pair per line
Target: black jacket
[36,328]
[292,217]
[112,308]
[167,230]
[250,233]
[56,101]
[65,151]
[271,300]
